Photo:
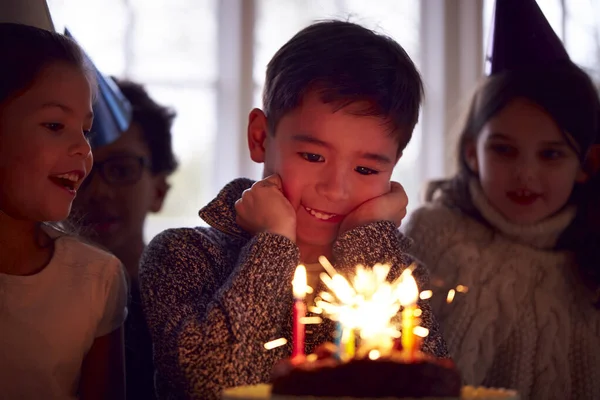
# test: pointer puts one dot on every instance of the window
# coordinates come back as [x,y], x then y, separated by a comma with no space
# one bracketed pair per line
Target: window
[170,46]
[193,55]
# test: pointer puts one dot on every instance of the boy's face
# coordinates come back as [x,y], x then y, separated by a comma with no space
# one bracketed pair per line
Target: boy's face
[121,191]
[330,162]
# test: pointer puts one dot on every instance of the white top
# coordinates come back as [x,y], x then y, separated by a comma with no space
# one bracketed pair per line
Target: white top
[48,321]
[527,321]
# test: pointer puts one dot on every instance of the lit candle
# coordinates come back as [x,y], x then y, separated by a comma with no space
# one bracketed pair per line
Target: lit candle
[408,295]
[349,341]
[339,332]
[299,289]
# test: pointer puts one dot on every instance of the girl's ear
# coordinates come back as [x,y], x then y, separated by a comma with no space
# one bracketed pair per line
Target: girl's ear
[593,159]
[591,165]
[470,154]
[581,176]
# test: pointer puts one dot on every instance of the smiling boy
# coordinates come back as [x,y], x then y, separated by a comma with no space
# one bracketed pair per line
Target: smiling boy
[340,105]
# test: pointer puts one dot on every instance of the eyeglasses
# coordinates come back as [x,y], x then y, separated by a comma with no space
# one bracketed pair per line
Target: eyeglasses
[119,170]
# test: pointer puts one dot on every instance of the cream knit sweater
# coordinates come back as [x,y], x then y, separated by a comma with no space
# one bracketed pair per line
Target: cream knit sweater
[527,321]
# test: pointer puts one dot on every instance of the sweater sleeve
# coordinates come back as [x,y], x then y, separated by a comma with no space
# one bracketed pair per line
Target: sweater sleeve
[202,344]
[381,242]
[432,231]
[476,324]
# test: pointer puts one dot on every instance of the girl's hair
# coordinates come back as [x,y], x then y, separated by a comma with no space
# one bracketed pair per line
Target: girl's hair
[27,51]
[568,95]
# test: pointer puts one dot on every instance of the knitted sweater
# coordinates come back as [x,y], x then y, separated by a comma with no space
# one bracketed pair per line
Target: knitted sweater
[527,321]
[213,296]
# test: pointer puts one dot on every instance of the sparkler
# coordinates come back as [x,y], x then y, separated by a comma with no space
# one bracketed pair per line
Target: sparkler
[365,309]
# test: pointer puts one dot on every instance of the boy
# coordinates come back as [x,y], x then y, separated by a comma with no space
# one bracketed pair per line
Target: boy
[129,180]
[340,104]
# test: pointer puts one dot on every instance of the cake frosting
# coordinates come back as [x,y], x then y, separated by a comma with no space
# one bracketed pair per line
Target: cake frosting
[322,375]
[263,392]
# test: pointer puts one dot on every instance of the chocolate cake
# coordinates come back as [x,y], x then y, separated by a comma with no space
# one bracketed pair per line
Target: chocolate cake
[364,378]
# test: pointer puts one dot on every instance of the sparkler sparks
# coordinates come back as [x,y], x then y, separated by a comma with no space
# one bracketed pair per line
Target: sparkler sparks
[366,307]
[368,303]
[275,343]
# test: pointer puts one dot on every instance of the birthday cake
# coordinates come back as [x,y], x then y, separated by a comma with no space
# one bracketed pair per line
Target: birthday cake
[386,377]
[367,361]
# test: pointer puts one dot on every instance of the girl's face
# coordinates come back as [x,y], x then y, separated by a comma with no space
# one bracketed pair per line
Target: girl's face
[526,167]
[44,150]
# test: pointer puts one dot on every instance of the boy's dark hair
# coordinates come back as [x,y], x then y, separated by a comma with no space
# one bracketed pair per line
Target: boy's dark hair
[26,51]
[568,95]
[156,122]
[345,63]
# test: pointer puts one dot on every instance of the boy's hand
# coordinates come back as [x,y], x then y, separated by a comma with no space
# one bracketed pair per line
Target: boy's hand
[388,207]
[264,208]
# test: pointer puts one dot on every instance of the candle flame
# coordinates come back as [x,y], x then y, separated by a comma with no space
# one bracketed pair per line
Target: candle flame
[275,343]
[408,291]
[299,282]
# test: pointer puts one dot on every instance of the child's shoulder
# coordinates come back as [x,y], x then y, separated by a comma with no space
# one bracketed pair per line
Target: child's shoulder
[187,246]
[74,253]
[186,239]
[80,250]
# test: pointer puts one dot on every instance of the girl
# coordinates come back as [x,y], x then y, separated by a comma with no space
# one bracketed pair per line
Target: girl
[62,302]
[504,226]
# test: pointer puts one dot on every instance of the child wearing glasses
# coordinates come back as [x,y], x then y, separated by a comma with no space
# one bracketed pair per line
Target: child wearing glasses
[128,181]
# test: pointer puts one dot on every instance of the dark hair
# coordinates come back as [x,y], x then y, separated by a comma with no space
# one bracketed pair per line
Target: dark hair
[583,235]
[156,122]
[26,51]
[345,63]
[568,95]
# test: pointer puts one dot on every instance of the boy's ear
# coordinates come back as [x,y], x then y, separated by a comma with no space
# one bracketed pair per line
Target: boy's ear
[257,135]
[470,154]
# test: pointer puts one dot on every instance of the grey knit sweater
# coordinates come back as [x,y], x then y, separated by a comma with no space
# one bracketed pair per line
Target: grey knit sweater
[213,296]
[527,321]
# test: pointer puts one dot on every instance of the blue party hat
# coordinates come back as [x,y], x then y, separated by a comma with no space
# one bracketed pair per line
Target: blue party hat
[112,110]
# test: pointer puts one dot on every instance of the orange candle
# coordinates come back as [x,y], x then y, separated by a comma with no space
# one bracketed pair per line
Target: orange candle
[408,296]
[408,337]
[299,289]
